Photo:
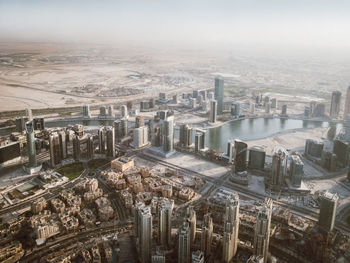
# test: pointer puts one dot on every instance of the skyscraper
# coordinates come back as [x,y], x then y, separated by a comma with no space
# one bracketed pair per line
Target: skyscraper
[231,226]
[110,110]
[219,93]
[102,139]
[31,144]
[262,230]
[347,103]
[213,111]
[29,114]
[86,111]
[199,140]
[168,134]
[55,149]
[164,220]
[63,143]
[76,148]
[335,104]
[110,142]
[143,227]
[185,135]
[191,218]
[124,111]
[90,147]
[139,121]
[296,170]
[279,166]
[184,244]
[207,235]
[240,156]
[328,210]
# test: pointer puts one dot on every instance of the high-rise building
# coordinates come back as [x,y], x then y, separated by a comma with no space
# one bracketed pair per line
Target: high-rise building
[262,230]
[168,134]
[236,109]
[219,93]
[230,148]
[102,112]
[207,235]
[39,123]
[231,226]
[20,123]
[199,140]
[139,121]
[185,135]
[110,111]
[347,103]
[191,218]
[335,104]
[124,126]
[296,170]
[90,147]
[284,109]
[256,158]
[55,149]
[184,244]
[203,93]
[110,142]
[197,257]
[76,148]
[266,100]
[31,144]
[347,128]
[240,156]
[29,114]
[140,137]
[211,95]
[213,111]
[279,167]
[252,108]
[63,143]
[274,103]
[124,111]
[143,230]
[328,209]
[86,111]
[152,103]
[165,211]
[267,108]
[102,139]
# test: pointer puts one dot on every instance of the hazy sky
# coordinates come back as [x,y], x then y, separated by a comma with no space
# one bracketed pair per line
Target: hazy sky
[321,23]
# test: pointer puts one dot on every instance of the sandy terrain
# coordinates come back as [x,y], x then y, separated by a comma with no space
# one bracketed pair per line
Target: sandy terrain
[293,140]
[48,75]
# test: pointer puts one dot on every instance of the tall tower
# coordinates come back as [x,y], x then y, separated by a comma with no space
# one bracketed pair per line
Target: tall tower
[240,156]
[213,111]
[207,235]
[184,252]
[192,220]
[164,219]
[231,225]
[347,103]
[262,230]
[219,93]
[328,210]
[143,226]
[110,142]
[31,144]
[168,134]
[279,166]
[335,104]
[102,139]
[55,149]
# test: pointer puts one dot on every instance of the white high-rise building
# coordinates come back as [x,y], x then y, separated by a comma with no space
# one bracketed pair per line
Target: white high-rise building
[143,231]
[231,225]
[262,230]
[184,252]
[207,235]
[165,211]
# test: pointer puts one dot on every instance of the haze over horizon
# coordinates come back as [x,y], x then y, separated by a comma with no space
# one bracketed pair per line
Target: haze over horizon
[316,24]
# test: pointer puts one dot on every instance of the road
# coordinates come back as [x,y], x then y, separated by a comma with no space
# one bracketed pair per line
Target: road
[223,182]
